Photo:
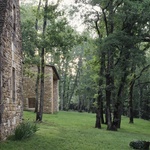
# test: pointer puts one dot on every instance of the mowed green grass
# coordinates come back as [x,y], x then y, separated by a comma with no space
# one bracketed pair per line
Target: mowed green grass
[75,131]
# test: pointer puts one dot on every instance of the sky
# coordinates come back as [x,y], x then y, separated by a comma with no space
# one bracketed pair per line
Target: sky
[66,2]
[75,22]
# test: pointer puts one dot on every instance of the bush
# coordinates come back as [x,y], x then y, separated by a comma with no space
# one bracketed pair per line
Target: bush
[24,130]
[142,145]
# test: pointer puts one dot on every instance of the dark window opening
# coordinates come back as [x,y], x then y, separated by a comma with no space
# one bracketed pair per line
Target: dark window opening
[13,85]
[0,117]
[31,102]
[14,17]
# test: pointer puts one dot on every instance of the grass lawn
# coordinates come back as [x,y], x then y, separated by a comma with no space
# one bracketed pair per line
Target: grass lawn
[75,131]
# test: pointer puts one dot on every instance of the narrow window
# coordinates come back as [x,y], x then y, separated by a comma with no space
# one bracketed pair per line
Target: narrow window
[13,85]
[0,117]
[1,105]
[14,17]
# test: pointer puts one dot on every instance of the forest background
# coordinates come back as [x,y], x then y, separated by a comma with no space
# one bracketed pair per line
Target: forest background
[103,64]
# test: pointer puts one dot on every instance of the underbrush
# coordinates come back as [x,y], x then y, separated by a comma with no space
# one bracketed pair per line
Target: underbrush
[24,130]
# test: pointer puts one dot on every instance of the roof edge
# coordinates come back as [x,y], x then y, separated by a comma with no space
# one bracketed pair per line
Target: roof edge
[55,70]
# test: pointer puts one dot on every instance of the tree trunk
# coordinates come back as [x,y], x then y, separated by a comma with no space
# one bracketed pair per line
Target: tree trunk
[102,112]
[131,101]
[124,57]
[118,106]
[64,99]
[110,125]
[40,114]
[108,111]
[38,67]
[37,91]
[140,98]
[98,112]
[109,88]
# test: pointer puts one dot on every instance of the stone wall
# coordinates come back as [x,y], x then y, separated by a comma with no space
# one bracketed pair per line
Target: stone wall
[55,92]
[50,89]
[11,67]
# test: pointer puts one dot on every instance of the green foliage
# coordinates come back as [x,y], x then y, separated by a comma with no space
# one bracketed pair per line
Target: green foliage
[24,130]
[58,42]
[123,40]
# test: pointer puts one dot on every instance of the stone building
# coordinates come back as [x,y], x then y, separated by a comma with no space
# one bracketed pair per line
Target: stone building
[50,89]
[10,67]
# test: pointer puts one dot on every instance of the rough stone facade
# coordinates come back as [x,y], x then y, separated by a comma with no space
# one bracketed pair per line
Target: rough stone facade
[10,67]
[50,90]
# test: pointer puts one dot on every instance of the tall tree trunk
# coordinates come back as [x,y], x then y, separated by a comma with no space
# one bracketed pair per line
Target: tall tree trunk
[102,112]
[131,101]
[64,86]
[98,112]
[61,85]
[37,91]
[109,26]
[109,89]
[118,106]
[38,68]
[42,65]
[124,57]
[108,102]
[68,88]
[140,98]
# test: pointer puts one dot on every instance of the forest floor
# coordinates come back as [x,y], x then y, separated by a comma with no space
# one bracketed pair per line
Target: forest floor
[75,131]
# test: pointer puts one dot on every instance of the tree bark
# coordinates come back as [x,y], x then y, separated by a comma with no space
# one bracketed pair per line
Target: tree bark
[64,99]
[37,90]
[131,91]
[131,101]
[110,125]
[140,98]
[38,68]
[118,106]
[40,114]
[98,112]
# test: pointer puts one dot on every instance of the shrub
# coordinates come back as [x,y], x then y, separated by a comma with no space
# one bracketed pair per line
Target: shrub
[142,145]
[24,130]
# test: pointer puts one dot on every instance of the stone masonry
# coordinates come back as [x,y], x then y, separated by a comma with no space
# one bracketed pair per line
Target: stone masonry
[50,87]
[10,67]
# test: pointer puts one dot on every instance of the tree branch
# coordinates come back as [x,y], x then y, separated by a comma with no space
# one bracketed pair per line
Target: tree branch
[105,20]
[146,39]
[145,68]
[143,83]
[96,25]
[117,5]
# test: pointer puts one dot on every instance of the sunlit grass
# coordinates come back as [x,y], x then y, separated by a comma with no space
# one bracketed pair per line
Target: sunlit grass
[75,131]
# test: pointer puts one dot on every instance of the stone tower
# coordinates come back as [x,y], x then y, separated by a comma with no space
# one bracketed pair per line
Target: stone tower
[10,67]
